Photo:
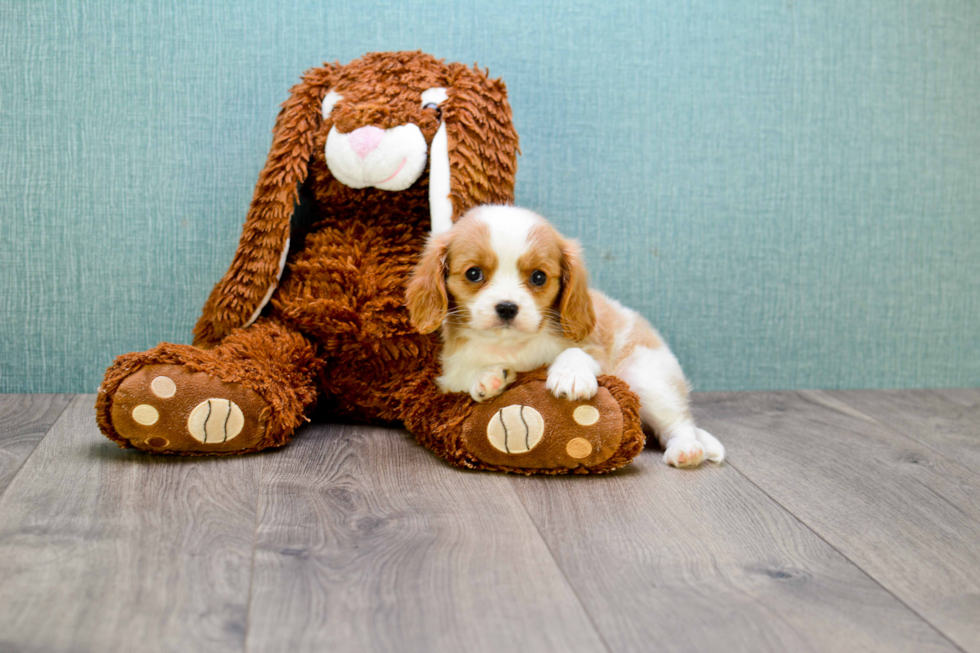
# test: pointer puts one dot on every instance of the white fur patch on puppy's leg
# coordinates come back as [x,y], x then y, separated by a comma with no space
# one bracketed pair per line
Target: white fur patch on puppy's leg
[573,375]
[491,382]
[656,377]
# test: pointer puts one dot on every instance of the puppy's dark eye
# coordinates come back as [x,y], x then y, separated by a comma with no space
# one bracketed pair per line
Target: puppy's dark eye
[538,278]
[432,106]
[474,274]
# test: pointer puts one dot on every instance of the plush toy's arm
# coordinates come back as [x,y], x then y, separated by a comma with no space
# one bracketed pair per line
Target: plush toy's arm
[254,273]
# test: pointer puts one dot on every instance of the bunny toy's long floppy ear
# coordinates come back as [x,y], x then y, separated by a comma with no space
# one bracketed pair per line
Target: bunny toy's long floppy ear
[480,145]
[254,273]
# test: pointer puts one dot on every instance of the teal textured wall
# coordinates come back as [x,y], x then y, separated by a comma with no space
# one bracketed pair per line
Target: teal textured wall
[790,190]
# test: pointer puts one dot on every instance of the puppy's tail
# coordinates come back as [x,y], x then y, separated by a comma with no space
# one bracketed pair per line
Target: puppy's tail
[713,450]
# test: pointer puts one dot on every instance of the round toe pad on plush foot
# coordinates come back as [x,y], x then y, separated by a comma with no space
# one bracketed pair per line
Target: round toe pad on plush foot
[528,428]
[170,409]
[515,429]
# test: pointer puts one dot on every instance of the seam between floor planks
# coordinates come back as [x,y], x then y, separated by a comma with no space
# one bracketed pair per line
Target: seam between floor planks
[251,569]
[561,569]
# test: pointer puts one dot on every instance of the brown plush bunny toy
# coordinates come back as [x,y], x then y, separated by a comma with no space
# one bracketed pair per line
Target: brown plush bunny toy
[387,148]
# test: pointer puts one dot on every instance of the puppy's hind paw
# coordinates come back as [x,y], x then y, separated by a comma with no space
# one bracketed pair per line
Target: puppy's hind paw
[684,453]
[713,450]
[490,383]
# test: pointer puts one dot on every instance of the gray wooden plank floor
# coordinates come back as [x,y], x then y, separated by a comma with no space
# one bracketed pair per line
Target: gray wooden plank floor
[945,420]
[24,420]
[365,543]
[102,550]
[842,522]
[907,515]
[702,560]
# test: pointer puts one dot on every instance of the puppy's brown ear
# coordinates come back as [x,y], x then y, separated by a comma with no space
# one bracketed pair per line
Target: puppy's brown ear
[426,295]
[254,273]
[577,312]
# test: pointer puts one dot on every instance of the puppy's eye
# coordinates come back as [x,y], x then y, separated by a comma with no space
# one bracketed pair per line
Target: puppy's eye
[538,278]
[474,274]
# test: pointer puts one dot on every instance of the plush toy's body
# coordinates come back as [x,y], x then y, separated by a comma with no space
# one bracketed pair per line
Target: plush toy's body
[334,330]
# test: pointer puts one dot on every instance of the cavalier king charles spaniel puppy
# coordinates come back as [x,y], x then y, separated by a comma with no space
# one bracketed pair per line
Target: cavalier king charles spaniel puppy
[510,294]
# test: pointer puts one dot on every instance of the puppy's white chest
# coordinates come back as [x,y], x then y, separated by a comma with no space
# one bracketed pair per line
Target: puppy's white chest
[519,356]
[503,353]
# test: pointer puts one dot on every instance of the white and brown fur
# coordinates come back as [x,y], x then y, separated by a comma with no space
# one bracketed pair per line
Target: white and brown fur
[579,333]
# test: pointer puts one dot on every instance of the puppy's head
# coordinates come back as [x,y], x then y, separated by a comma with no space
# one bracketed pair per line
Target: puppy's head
[502,269]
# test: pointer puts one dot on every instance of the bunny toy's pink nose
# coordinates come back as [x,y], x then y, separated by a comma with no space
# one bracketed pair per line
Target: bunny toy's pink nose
[364,139]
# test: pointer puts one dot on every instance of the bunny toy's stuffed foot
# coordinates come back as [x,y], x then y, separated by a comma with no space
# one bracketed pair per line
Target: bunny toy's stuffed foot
[247,394]
[528,430]
[170,409]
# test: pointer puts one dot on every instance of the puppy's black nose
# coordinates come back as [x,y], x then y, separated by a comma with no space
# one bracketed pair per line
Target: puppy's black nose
[506,310]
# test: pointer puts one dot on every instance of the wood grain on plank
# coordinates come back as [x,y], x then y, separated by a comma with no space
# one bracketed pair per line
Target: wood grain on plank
[103,549]
[967,398]
[936,418]
[24,419]
[367,542]
[702,560]
[907,515]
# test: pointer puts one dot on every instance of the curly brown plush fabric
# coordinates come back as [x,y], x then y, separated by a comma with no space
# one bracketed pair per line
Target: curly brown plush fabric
[336,331]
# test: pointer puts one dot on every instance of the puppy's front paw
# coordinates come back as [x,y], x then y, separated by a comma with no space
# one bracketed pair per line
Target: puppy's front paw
[491,382]
[573,376]
[684,453]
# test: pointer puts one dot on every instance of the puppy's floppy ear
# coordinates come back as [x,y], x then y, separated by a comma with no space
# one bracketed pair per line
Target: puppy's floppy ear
[254,273]
[426,296]
[577,312]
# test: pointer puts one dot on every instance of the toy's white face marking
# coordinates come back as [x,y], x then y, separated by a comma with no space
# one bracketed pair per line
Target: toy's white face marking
[392,159]
[389,159]
[331,99]
[434,96]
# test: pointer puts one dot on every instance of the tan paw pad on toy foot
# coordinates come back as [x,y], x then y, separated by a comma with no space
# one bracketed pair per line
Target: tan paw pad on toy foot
[168,408]
[515,429]
[529,429]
